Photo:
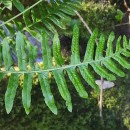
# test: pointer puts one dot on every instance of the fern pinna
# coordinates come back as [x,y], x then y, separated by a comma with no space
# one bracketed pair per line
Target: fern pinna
[94,56]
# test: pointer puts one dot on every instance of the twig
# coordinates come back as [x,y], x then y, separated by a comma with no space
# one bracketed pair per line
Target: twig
[101,97]
[21,13]
[85,24]
[122,24]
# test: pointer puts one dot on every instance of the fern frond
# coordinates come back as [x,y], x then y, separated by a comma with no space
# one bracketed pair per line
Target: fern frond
[45,86]
[26,92]
[46,51]
[11,91]
[75,79]
[95,55]
[20,49]
[89,55]
[75,57]
[50,16]
[62,86]
[18,5]
[6,54]
[32,55]
[56,51]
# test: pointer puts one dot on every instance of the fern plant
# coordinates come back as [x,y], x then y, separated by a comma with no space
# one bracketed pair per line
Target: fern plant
[49,15]
[92,59]
[42,14]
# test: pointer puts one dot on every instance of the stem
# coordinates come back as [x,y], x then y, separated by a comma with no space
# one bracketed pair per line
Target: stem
[53,69]
[2,70]
[82,20]
[122,24]
[20,13]
[101,97]
[101,102]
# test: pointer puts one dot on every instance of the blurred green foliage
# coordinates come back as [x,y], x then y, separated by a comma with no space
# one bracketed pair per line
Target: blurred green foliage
[119,15]
[85,115]
[96,15]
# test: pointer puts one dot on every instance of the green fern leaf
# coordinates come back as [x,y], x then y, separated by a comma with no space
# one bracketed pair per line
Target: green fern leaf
[74,77]
[75,5]
[18,24]
[26,17]
[126,53]
[62,87]
[7,4]
[26,91]
[88,76]
[67,10]
[113,67]
[34,34]
[46,51]
[75,57]
[122,61]
[18,5]
[63,16]
[102,71]
[90,46]
[57,22]
[125,42]
[32,55]
[11,92]
[56,51]
[20,49]
[109,50]
[51,15]
[45,86]
[100,47]
[118,45]
[125,45]
[6,54]
[50,26]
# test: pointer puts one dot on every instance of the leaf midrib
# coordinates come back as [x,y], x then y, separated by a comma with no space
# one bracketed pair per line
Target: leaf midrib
[69,66]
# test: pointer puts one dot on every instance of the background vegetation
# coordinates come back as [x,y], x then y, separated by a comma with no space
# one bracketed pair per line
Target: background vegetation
[85,115]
